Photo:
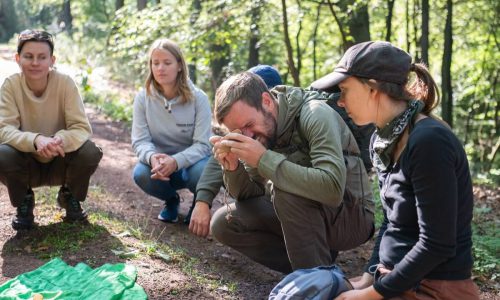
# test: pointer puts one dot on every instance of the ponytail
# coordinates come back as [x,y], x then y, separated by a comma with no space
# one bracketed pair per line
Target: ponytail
[424,88]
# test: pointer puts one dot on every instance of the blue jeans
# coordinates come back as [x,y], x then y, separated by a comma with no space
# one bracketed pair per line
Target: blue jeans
[165,190]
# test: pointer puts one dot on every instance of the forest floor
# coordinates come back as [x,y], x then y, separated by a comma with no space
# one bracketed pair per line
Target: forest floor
[171,262]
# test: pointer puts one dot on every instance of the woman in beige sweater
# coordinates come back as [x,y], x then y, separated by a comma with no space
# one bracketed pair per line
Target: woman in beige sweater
[44,133]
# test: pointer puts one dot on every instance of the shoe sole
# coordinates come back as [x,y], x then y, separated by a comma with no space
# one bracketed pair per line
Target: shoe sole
[167,220]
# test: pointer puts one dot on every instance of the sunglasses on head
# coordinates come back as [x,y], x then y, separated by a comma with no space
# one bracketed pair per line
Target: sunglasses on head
[30,35]
[35,35]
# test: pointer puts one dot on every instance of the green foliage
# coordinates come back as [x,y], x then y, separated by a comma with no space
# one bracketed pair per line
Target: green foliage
[486,244]
[218,26]
[215,38]
[486,262]
[132,34]
[110,104]
[477,106]
[9,22]
[92,17]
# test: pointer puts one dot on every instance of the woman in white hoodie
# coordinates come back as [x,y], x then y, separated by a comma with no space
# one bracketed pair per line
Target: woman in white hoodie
[170,129]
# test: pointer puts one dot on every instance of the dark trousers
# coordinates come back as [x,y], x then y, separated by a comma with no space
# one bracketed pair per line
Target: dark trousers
[19,171]
[294,233]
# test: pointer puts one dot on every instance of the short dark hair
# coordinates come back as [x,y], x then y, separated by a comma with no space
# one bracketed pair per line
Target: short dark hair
[246,87]
[30,35]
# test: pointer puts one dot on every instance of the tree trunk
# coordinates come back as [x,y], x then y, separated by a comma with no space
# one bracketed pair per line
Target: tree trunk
[289,49]
[388,20]
[358,20]
[497,105]
[195,14]
[222,50]
[447,100]
[119,4]
[253,45]
[217,64]
[66,19]
[297,41]
[8,20]
[141,4]
[315,40]
[408,26]
[424,39]
[416,9]
[343,32]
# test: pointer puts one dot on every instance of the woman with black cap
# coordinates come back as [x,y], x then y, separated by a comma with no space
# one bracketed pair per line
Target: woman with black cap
[423,250]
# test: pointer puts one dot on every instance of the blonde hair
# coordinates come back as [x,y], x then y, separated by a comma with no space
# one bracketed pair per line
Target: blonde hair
[181,84]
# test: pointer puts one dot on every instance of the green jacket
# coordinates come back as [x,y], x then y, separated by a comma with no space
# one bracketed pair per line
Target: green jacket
[210,182]
[308,158]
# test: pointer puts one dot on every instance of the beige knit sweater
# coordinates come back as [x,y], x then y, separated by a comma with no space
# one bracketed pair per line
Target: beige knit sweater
[58,112]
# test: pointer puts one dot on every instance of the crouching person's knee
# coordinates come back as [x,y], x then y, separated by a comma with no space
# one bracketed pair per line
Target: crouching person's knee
[280,201]
[142,175]
[288,205]
[89,154]
[220,226]
[11,159]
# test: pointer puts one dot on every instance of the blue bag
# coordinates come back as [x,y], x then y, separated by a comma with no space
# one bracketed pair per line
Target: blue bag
[321,283]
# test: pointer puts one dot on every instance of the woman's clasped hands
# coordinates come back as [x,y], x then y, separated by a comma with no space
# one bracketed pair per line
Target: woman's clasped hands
[162,166]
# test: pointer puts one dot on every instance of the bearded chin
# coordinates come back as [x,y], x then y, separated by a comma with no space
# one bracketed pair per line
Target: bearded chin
[271,135]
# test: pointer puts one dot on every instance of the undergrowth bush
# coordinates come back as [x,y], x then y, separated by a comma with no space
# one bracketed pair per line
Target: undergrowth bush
[486,243]
[111,105]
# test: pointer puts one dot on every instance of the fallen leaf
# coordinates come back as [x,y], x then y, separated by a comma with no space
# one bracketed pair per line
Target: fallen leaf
[164,256]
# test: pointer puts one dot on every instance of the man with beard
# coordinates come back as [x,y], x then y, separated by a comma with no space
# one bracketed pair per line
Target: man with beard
[302,193]
[211,180]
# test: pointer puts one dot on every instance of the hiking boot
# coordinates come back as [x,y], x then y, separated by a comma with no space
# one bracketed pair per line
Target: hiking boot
[74,211]
[62,195]
[170,212]
[24,217]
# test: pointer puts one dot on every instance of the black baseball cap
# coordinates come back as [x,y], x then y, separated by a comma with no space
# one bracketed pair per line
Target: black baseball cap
[371,60]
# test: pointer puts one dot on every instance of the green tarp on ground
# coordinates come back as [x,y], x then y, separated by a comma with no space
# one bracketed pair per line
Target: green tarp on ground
[57,280]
